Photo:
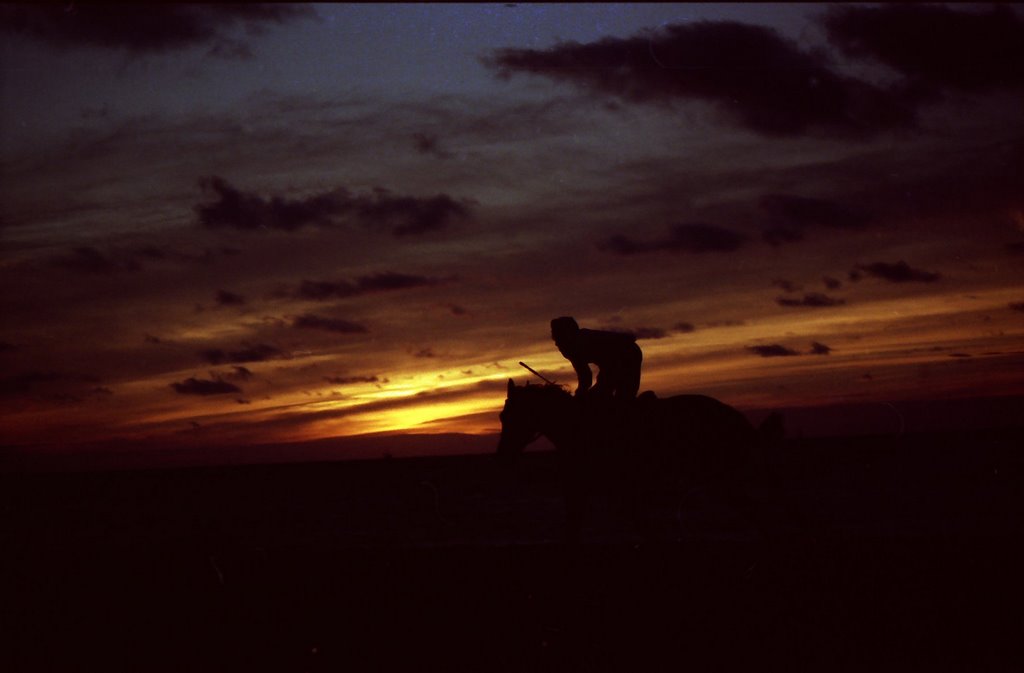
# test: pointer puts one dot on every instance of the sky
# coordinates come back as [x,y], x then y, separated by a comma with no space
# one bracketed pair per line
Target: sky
[239,224]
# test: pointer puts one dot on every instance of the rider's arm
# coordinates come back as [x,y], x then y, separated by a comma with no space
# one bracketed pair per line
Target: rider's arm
[583,375]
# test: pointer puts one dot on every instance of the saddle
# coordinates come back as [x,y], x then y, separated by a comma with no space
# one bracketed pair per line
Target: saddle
[614,422]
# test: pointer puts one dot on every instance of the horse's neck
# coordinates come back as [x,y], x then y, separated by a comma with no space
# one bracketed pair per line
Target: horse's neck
[560,423]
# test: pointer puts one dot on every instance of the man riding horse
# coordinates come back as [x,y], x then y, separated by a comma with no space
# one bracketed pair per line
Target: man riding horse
[616,355]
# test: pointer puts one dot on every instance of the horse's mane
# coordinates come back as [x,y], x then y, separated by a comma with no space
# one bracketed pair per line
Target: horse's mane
[546,389]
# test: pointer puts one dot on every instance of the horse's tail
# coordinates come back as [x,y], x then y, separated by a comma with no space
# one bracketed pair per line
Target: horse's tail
[771,431]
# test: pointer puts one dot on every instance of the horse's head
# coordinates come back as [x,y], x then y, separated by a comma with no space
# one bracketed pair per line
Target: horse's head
[526,414]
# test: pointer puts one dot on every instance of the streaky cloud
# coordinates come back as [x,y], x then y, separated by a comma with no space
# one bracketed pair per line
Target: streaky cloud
[802,211]
[818,348]
[695,238]
[247,353]
[811,299]
[897,272]
[226,298]
[204,387]
[232,208]
[772,350]
[336,325]
[89,260]
[387,281]
[348,380]
[650,333]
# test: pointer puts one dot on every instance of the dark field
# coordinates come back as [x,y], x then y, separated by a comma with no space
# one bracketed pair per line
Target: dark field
[874,554]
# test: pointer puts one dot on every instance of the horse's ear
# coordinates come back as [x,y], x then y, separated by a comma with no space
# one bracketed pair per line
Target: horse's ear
[511,386]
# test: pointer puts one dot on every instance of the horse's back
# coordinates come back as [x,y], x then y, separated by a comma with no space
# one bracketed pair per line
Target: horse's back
[701,433]
[703,418]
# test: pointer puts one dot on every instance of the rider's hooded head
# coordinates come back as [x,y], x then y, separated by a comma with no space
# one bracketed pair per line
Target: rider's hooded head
[564,330]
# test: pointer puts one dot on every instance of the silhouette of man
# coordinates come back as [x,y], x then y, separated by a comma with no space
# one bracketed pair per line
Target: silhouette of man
[616,355]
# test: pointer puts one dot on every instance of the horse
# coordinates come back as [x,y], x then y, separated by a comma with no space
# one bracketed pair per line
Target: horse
[652,447]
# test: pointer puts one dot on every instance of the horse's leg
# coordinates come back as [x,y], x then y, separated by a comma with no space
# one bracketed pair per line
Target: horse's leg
[641,507]
[573,495]
[640,484]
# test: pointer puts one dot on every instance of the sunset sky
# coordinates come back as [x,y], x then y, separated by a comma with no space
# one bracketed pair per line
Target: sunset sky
[238,224]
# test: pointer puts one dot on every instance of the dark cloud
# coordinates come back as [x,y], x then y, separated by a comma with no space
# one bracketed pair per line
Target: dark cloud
[684,327]
[426,143]
[347,380]
[425,353]
[682,238]
[900,272]
[831,283]
[812,299]
[818,348]
[336,325]
[785,285]
[380,282]
[390,280]
[50,386]
[326,289]
[144,28]
[408,215]
[231,49]
[773,350]
[802,211]
[778,234]
[238,373]
[935,46]
[194,386]
[247,353]
[232,208]
[155,254]
[789,216]
[90,260]
[758,78]
[21,384]
[1017,306]
[650,333]
[225,298]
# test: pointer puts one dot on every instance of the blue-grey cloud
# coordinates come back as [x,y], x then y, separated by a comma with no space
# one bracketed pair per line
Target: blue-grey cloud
[147,28]
[752,75]
[934,46]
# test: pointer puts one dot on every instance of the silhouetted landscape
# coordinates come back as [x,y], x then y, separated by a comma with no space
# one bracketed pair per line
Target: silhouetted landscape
[869,554]
[749,278]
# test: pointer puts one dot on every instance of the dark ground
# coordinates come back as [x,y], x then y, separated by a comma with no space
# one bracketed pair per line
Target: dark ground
[871,554]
